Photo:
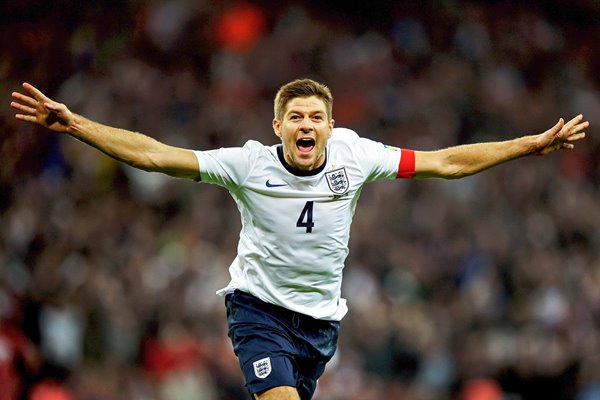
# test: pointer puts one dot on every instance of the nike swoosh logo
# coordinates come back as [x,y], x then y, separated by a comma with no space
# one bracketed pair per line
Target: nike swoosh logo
[272,185]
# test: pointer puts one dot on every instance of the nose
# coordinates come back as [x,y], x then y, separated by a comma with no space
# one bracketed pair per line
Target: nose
[306,125]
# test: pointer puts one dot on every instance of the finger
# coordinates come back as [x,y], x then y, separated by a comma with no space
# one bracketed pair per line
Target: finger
[575,137]
[556,128]
[28,118]
[34,92]
[53,106]
[571,127]
[24,99]
[579,127]
[561,122]
[22,107]
[574,121]
[568,146]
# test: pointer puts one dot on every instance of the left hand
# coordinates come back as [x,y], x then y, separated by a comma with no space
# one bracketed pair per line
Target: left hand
[561,136]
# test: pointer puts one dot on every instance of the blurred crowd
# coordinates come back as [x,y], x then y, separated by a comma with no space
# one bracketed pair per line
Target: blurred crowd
[485,288]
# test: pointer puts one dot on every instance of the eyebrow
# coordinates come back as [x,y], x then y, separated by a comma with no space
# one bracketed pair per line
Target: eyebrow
[313,112]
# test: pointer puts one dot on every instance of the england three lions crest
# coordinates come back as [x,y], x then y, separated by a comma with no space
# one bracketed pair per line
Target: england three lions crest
[262,367]
[338,181]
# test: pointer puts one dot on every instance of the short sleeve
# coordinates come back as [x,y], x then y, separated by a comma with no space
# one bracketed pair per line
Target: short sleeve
[227,167]
[382,160]
[377,160]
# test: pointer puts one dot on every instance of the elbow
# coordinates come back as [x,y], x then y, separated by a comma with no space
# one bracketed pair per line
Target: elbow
[458,173]
[443,164]
[144,163]
[456,168]
[452,170]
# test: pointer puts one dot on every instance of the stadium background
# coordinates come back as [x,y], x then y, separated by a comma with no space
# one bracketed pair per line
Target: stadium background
[483,288]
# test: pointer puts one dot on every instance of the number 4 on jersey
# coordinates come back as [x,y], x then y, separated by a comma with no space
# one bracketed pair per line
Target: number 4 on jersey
[306,217]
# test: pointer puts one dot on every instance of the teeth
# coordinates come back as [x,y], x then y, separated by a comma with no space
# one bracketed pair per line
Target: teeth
[306,141]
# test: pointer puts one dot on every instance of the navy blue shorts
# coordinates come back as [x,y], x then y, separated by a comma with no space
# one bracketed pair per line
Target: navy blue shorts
[278,347]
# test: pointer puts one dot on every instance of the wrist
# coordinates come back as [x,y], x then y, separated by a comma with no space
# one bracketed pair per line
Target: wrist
[75,125]
[530,145]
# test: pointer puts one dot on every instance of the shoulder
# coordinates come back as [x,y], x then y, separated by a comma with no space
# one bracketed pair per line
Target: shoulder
[237,157]
[344,137]
[252,149]
[376,159]
[255,145]
[344,134]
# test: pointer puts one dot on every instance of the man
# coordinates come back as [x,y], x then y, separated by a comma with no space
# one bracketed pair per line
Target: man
[296,201]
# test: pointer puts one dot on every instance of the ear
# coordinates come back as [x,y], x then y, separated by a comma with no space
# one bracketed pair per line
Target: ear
[277,127]
[331,124]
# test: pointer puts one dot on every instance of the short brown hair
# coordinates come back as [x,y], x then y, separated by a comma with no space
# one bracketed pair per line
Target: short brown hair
[302,88]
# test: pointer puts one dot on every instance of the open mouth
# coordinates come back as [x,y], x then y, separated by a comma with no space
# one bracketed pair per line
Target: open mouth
[305,145]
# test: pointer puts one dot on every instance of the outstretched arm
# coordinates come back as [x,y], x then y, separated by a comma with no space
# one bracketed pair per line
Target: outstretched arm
[133,148]
[460,161]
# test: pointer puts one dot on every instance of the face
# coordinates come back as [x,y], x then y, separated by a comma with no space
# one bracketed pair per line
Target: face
[304,132]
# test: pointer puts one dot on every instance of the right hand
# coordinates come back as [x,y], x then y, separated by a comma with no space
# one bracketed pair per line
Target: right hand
[39,109]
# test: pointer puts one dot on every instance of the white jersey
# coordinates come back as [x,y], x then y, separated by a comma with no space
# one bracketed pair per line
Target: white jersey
[296,224]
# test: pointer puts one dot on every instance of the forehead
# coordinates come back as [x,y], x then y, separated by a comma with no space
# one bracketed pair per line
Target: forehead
[306,104]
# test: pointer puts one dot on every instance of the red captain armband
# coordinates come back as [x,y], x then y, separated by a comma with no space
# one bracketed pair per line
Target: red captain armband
[406,167]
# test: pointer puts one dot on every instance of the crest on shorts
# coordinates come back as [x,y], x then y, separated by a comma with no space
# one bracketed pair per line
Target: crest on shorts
[262,367]
[338,180]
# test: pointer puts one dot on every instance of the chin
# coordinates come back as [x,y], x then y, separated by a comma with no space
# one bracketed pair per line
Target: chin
[306,164]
